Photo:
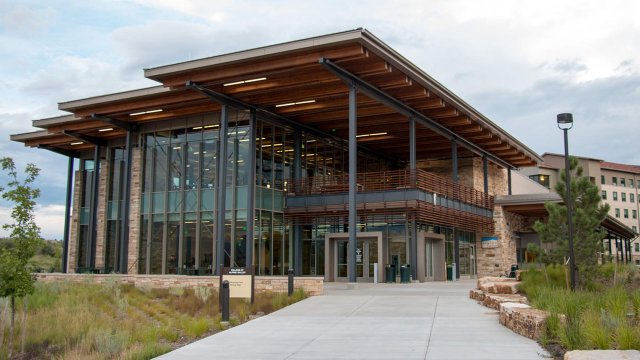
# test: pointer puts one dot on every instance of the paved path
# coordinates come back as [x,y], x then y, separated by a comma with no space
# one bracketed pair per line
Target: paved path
[383,321]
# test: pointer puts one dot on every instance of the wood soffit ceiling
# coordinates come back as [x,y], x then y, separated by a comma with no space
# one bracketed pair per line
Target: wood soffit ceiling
[295,77]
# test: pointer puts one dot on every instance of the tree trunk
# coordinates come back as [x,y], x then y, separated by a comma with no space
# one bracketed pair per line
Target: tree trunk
[13,318]
[3,314]
[24,323]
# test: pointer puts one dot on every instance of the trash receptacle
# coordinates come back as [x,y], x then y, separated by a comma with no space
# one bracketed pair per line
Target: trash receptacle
[449,272]
[512,273]
[404,274]
[390,274]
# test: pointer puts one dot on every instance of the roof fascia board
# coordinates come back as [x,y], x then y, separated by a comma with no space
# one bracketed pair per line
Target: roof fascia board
[22,137]
[45,123]
[159,72]
[115,97]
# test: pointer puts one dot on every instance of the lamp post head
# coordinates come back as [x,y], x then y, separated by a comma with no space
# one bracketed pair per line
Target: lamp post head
[565,121]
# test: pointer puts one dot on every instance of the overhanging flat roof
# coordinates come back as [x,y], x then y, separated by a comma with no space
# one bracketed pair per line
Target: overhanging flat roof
[290,73]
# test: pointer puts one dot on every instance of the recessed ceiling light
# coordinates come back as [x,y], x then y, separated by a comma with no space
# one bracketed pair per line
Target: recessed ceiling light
[374,134]
[107,129]
[245,81]
[76,143]
[145,112]
[296,103]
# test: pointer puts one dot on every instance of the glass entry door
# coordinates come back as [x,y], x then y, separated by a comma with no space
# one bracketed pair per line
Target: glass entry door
[428,260]
[366,256]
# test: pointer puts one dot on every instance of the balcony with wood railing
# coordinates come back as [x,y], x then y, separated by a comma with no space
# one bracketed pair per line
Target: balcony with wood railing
[392,181]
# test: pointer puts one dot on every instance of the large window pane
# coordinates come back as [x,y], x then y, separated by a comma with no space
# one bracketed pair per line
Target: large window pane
[157,234]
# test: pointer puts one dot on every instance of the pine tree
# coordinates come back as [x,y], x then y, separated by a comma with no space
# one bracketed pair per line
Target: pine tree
[587,215]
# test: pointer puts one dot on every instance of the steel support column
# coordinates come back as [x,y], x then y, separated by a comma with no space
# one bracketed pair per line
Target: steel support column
[485,174]
[221,166]
[251,190]
[456,252]
[123,248]
[93,210]
[353,172]
[297,175]
[67,215]
[509,180]
[413,246]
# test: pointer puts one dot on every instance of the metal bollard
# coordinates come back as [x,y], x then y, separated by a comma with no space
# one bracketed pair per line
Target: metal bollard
[290,283]
[224,293]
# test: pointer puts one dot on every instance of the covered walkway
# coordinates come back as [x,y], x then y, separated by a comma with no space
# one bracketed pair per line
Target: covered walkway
[434,320]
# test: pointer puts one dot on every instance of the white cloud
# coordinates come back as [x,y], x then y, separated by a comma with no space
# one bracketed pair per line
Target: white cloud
[49,218]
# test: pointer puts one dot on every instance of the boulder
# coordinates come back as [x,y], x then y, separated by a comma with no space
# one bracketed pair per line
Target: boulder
[476,294]
[493,301]
[523,319]
[498,285]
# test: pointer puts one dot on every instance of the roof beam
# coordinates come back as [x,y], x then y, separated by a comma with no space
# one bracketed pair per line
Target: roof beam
[407,111]
[86,138]
[116,122]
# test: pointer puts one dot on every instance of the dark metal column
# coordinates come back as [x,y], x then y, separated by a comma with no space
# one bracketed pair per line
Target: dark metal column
[353,171]
[297,176]
[413,246]
[251,190]
[93,210]
[222,187]
[617,250]
[67,214]
[485,174]
[509,180]
[454,160]
[456,252]
[610,250]
[123,249]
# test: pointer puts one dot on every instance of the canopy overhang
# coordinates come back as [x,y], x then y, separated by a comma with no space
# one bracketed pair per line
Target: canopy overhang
[289,80]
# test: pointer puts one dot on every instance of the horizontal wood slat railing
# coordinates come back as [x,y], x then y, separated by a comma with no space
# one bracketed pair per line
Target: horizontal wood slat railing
[392,180]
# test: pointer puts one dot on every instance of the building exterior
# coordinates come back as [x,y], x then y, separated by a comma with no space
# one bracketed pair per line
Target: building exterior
[326,155]
[618,184]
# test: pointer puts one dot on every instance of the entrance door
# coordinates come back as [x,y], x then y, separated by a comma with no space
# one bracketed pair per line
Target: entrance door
[366,256]
[428,259]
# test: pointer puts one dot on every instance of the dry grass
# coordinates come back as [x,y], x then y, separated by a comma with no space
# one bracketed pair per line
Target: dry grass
[86,321]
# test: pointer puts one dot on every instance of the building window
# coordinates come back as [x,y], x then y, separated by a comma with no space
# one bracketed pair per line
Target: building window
[631,183]
[634,214]
[624,196]
[602,179]
[635,230]
[617,212]
[637,244]
[614,181]
[604,195]
[626,213]
[615,196]
[631,198]
[541,179]
[623,182]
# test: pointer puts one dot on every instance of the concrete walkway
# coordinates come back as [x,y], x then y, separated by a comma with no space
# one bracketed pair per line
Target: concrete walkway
[383,321]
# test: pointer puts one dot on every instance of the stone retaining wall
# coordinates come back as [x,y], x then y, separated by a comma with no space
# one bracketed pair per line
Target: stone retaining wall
[523,319]
[311,285]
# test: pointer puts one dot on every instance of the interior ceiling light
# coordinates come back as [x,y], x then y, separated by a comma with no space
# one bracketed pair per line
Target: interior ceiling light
[145,112]
[244,81]
[296,103]
[76,143]
[369,135]
[107,129]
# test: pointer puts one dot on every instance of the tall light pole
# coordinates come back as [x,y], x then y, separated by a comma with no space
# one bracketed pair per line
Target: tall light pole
[565,122]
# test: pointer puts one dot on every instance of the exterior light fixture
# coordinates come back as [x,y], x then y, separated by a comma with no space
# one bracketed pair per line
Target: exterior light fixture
[369,135]
[145,112]
[245,81]
[565,122]
[76,143]
[107,129]
[296,103]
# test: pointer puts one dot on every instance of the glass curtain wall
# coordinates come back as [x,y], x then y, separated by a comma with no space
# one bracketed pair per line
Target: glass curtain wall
[87,170]
[114,218]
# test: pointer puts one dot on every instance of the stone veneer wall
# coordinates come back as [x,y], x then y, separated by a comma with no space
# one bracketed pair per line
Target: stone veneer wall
[101,216]
[74,228]
[311,285]
[495,261]
[134,210]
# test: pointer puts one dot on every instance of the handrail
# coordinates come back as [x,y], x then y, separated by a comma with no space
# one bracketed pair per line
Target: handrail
[391,180]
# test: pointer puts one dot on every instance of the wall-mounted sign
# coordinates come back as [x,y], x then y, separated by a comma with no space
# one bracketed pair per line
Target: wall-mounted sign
[488,242]
[241,282]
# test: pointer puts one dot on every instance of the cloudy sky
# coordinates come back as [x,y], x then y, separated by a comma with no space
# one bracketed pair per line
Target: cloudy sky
[518,62]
